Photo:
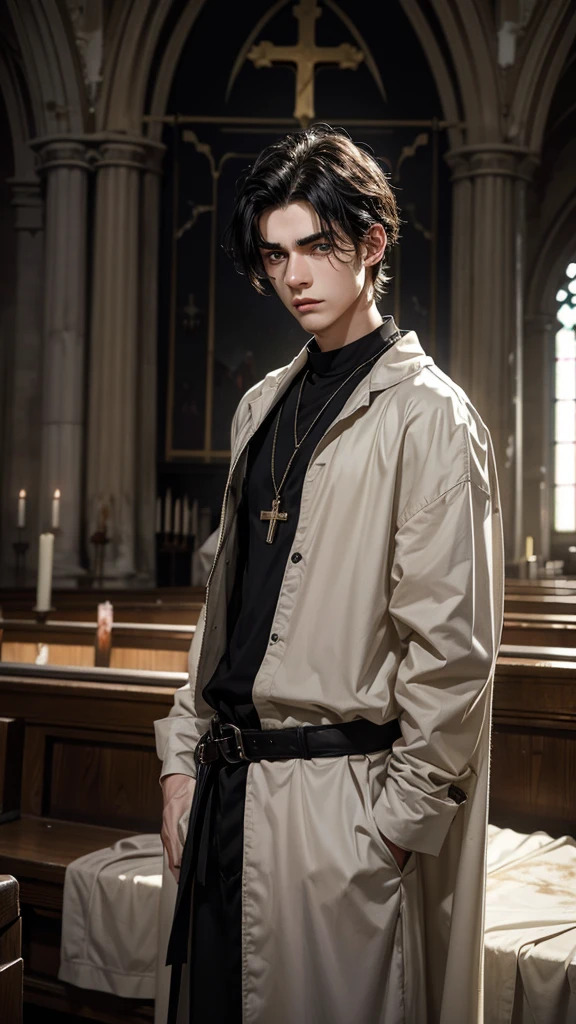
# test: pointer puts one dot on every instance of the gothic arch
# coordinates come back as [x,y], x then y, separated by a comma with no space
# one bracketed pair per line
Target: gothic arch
[442,77]
[557,250]
[467,37]
[542,58]
[17,102]
[134,35]
[52,66]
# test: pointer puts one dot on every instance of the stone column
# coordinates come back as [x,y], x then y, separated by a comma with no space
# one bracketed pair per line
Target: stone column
[65,165]
[25,386]
[539,333]
[147,372]
[113,410]
[487,304]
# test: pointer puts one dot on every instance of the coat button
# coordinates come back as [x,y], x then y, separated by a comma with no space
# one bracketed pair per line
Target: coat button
[273,638]
[296,557]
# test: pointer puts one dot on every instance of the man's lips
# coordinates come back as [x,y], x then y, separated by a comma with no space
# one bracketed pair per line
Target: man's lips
[302,305]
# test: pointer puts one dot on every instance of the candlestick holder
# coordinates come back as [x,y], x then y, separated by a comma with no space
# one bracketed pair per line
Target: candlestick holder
[20,548]
[173,545]
[42,614]
[99,539]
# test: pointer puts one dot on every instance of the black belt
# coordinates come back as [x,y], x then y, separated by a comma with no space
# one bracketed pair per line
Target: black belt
[224,743]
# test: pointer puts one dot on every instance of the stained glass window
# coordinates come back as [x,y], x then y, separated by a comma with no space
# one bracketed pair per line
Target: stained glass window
[565,407]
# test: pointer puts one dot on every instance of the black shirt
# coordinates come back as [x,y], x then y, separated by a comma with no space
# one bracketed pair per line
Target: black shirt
[260,567]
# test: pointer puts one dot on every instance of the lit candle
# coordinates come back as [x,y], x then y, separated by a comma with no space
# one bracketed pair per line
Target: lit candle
[158,515]
[529,548]
[177,517]
[45,561]
[56,510]
[168,511]
[22,508]
[185,517]
[194,518]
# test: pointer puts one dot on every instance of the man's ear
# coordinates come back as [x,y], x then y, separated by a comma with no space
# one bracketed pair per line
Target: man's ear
[375,244]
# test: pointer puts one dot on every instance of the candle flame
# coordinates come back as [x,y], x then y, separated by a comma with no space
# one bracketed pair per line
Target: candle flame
[22,493]
[56,493]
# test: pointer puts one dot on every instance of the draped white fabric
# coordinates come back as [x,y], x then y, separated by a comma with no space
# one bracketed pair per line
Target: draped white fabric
[117,920]
[110,918]
[530,929]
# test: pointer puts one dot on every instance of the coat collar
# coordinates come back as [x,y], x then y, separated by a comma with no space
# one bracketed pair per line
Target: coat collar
[405,357]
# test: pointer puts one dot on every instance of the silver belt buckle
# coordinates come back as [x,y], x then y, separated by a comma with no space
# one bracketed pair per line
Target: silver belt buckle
[237,733]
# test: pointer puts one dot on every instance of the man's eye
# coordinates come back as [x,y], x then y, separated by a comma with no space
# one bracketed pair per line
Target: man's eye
[323,247]
[271,255]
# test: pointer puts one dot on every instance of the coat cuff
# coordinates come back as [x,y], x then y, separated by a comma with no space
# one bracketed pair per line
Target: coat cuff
[176,740]
[416,820]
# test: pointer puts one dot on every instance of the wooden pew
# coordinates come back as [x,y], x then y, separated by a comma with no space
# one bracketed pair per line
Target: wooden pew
[172,606]
[540,604]
[539,630]
[533,772]
[11,964]
[90,777]
[133,645]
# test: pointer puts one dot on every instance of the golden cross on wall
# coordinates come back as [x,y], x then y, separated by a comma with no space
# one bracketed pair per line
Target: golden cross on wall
[305,55]
[274,516]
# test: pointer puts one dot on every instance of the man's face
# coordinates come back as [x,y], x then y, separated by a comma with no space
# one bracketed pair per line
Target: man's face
[301,265]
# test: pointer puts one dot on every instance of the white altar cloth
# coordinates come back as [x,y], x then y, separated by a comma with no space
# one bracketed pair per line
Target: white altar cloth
[530,929]
[117,921]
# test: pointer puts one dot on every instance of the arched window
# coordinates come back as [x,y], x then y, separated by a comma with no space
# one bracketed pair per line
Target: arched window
[565,407]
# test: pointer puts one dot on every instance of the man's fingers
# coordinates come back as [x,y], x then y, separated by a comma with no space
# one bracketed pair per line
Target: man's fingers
[173,848]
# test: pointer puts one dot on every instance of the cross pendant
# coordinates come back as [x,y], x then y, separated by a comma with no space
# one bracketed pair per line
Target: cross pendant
[274,516]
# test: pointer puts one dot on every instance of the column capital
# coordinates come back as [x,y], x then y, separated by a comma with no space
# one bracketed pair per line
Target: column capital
[27,203]
[136,151]
[495,159]
[116,153]
[61,151]
[99,149]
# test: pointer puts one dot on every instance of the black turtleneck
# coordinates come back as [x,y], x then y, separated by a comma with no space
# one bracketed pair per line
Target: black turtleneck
[261,566]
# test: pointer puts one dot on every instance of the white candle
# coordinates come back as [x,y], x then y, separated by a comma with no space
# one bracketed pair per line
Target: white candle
[45,560]
[168,511]
[185,517]
[529,548]
[194,518]
[158,515]
[22,508]
[177,517]
[56,510]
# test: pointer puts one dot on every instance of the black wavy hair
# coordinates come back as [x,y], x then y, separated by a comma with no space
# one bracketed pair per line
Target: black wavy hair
[341,180]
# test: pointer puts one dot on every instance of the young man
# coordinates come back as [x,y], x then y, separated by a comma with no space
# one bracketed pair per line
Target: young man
[346,646]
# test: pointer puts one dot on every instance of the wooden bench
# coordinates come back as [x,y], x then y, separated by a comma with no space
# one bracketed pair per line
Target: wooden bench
[540,604]
[132,645]
[90,777]
[539,630]
[533,769]
[11,964]
[171,606]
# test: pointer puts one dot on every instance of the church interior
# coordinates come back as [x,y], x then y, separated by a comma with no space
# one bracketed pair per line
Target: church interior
[126,342]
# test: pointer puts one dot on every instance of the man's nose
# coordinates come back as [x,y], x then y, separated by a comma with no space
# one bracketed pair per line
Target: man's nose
[297,271]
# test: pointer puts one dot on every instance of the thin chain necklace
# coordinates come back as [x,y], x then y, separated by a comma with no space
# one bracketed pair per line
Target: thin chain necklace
[274,516]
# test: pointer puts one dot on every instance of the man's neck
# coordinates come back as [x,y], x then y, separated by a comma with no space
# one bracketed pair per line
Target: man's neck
[353,324]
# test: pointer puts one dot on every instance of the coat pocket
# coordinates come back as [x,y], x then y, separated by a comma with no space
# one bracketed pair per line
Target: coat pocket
[376,768]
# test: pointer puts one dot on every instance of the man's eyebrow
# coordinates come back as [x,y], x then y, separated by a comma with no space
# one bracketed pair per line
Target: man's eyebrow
[299,241]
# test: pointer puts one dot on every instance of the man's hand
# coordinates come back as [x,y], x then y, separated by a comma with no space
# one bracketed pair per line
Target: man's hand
[178,791]
[400,855]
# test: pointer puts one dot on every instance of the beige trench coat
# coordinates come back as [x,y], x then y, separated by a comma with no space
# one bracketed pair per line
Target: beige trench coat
[394,609]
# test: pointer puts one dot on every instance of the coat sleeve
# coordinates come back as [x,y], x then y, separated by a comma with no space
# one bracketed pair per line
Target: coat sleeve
[178,733]
[442,606]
